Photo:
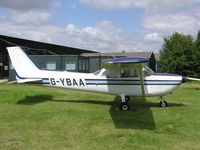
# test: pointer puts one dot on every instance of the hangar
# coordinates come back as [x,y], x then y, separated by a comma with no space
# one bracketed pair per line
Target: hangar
[45,55]
[56,57]
[98,57]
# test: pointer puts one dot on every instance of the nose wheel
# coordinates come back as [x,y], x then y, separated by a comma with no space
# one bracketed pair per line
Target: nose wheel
[124,106]
[163,103]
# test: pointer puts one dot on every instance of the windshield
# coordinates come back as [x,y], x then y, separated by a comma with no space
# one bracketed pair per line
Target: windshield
[123,73]
[97,72]
[108,73]
[148,71]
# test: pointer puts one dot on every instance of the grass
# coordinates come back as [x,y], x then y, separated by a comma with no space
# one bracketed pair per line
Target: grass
[37,117]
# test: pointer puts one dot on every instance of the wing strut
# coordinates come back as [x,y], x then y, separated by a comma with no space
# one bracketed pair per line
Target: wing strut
[142,78]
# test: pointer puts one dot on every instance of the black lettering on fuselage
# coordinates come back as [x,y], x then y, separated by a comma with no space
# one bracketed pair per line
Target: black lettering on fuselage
[52,81]
[81,83]
[62,80]
[67,82]
[75,83]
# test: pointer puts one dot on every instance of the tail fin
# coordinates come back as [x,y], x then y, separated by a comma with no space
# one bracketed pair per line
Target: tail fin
[22,64]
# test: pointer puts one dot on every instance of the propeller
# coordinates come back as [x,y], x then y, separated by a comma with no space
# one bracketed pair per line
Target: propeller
[185,79]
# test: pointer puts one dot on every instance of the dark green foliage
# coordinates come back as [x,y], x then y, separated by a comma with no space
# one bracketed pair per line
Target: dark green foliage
[180,55]
[197,55]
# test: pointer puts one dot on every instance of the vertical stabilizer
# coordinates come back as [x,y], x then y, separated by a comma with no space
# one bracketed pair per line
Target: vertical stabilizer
[22,64]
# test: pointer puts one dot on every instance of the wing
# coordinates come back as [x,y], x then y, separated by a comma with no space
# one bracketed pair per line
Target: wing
[126,60]
[127,63]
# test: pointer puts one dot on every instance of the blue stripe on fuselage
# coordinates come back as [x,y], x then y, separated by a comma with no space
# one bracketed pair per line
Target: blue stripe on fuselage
[165,74]
[130,82]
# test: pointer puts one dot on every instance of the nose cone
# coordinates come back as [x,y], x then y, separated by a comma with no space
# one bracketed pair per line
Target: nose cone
[184,79]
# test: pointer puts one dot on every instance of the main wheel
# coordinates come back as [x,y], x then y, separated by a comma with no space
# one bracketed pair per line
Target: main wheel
[163,104]
[124,106]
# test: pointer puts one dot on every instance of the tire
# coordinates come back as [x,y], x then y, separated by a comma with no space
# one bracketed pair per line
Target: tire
[124,106]
[163,104]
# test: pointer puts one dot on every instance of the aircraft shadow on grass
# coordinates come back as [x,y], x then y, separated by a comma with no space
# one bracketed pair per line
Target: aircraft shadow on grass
[139,116]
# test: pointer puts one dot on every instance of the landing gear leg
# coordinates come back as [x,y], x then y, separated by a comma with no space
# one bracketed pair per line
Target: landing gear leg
[163,103]
[127,98]
[124,106]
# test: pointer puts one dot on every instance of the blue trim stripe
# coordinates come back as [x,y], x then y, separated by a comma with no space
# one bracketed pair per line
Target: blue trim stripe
[165,74]
[45,81]
[130,82]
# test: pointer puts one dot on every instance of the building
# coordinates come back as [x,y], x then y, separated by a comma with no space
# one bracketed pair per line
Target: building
[157,57]
[98,57]
[56,57]
[45,55]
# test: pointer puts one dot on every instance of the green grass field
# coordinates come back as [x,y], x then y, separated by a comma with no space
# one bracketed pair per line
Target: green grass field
[37,117]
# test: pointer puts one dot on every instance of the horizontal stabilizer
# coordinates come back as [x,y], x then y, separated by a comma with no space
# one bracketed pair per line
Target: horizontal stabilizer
[19,80]
[28,80]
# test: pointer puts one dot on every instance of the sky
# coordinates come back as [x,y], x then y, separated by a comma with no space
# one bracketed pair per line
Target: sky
[103,26]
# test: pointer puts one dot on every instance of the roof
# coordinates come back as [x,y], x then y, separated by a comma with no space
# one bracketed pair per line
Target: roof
[157,56]
[131,54]
[39,48]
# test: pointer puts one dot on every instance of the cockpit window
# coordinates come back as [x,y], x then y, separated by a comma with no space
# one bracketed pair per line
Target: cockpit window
[108,73]
[126,73]
[97,72]
[129,73]
[147,71]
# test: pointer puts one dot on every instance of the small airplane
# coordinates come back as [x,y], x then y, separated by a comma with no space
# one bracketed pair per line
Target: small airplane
[124,77]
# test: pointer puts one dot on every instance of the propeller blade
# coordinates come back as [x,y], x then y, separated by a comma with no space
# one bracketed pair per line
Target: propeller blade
[190,79]
[193,79]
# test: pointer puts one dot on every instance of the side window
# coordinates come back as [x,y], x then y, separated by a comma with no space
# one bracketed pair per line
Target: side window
[51,65]
[70,66]
[129,73]
[112,74]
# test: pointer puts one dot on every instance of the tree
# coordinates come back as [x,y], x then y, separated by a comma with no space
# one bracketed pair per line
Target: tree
[197,56]
[177,54]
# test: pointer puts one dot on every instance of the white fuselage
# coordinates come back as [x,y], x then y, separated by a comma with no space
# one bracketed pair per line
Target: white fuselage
[135,82]
[154,85]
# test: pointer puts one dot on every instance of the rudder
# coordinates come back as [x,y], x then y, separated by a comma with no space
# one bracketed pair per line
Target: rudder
[22,64]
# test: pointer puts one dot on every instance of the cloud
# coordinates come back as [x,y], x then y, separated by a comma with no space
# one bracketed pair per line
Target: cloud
[180,22]
[90,37]
[28,5]
[112,4]
[149,6]
[160,18]
[166,6]
[30,17]
[153,37]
